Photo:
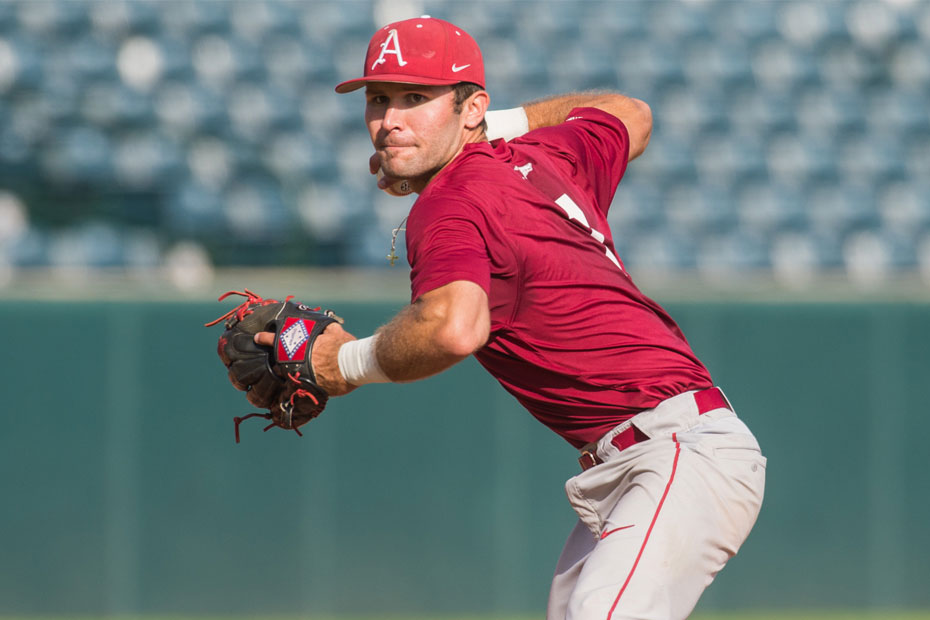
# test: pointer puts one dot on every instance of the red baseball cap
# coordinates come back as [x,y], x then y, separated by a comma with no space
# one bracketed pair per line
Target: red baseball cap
[422,50]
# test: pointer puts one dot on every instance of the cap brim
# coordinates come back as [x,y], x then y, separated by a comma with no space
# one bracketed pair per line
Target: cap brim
[396,78]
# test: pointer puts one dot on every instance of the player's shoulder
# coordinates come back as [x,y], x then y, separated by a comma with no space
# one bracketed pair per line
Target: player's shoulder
[472,183]
[480,166]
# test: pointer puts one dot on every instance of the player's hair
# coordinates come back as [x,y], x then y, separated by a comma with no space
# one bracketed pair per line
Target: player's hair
[462,91]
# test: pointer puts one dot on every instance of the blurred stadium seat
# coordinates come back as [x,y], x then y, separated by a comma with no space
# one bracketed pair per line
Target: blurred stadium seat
[790,137]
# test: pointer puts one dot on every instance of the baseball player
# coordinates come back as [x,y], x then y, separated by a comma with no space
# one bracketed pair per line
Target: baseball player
[512,261]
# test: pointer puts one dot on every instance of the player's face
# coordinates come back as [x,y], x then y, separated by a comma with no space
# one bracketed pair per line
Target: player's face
[414,128]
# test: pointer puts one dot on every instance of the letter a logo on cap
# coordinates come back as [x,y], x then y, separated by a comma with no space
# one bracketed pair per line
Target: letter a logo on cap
[392,36]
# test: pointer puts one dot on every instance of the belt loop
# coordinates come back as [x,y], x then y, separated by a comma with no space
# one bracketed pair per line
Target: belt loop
[588,459]
[710,399]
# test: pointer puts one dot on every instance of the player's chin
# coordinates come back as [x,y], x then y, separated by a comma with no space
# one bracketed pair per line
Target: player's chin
[398,169]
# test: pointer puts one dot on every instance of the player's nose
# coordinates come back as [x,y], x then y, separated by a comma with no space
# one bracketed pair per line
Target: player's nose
[393,118]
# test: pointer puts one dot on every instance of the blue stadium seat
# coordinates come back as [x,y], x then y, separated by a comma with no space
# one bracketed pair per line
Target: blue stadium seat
[797,256]
[255,210]
[869,256]
[293,64]
[667,159]
[29,250]
[51,21]
[904,206]
[644,62]
[192,19]
[636,209]
[256,21]
[778,66]
[770,208]
[871,159]
[845,67]
[733,252]
[324,212]
[699,209]
[678,21]
[909,66]
[553,24]
[328,22]
[720,158]
[146,160]
[79,155]
[194,209]
[916,150]
[615,21]
[188,108]
[840,208]
[760,112]
[714,65]
[494,21]
[114,20]
[294,156]
[663,251]
[95,244]
[793,158]
[112,105]
[583,66]
[897,112]
[829,113]
[751,22]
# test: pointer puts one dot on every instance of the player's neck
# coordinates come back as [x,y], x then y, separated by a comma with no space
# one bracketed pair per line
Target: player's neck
[473,136]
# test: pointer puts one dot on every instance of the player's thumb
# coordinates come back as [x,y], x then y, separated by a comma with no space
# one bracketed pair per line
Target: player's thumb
[264,338]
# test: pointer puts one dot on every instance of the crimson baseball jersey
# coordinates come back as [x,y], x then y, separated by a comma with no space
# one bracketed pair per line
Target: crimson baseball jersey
[572,337]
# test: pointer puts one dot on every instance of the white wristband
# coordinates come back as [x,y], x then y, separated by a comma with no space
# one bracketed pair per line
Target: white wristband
[506,124]
[358,363]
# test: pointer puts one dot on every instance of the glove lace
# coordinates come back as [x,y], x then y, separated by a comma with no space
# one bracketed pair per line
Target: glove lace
[240,419]
[245,308]
[301,392]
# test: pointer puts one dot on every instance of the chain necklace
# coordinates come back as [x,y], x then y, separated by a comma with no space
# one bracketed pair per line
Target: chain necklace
[393,255]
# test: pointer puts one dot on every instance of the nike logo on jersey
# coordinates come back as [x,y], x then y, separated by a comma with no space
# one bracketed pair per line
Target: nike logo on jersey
[456,69]
[572,118]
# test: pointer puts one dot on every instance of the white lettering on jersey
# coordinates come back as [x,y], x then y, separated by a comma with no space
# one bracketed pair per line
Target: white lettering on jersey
[574,212]
[525,169]
[392,36]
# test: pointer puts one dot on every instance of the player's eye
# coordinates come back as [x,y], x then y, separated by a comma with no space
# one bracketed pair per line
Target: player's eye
[416,98]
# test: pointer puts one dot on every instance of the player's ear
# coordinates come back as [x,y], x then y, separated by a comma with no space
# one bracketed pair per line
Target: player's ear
[474,108]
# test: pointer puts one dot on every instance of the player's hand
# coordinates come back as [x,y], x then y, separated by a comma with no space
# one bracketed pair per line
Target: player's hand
[324,357]
[389,184]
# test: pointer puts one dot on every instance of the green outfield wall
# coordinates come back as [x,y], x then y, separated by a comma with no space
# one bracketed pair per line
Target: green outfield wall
[123,491]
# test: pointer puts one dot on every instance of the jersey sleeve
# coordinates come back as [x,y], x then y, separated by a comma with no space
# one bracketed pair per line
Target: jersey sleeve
[593,145]
[445,243]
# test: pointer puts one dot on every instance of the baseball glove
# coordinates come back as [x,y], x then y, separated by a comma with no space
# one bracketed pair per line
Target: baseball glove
[280,378]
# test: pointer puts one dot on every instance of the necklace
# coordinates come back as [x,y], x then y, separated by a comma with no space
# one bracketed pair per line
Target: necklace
[393,255]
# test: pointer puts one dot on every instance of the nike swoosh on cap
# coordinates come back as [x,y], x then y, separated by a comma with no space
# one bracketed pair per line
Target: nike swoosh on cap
[456,69]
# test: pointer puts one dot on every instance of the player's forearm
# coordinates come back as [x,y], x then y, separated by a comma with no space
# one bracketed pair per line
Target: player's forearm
[554,110]
[635,114]
[416,344]
[441,328]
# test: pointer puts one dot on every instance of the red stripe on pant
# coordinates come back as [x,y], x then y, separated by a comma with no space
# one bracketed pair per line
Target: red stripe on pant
[651,525]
